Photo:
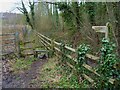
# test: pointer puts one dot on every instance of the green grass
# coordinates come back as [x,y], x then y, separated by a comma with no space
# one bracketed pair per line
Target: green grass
[49,73]
[54,75]
[22,64]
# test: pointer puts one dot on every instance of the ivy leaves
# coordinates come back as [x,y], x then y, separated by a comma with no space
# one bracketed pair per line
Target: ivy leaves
[81,51]
[107,53]
[107,61]
[106,64]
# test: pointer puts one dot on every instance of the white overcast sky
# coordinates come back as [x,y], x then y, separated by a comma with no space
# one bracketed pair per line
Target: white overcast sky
[10,5]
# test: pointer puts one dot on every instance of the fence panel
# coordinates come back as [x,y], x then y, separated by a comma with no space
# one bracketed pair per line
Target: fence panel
[47,42]
[10,43]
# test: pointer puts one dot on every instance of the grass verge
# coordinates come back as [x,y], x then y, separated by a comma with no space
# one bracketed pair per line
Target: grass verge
[53,75]
[22,64]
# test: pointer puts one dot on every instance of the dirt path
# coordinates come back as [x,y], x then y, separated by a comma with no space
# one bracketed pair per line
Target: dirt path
[22,80]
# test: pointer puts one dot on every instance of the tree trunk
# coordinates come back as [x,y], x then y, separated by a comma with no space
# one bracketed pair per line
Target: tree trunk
[117,15]
[77,15]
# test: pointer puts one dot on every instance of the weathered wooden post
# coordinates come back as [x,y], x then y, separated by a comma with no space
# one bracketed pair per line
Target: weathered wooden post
[62,48]
[52,48]
[102,29]
[17,44]
[35,54]
[24,31]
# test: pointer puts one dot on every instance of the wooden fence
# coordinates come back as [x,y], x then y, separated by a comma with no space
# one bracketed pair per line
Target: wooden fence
[51,44]
[10,44]
[27,48]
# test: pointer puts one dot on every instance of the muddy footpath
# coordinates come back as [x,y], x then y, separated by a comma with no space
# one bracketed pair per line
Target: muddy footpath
[24,79]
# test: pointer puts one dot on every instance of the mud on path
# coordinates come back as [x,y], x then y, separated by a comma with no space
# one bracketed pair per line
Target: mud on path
[22,80]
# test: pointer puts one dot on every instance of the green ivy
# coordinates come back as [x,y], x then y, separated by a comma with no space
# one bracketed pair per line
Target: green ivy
[107,60]
[81,52]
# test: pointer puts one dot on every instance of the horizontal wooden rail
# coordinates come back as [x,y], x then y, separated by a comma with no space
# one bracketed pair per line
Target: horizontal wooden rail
[23,49]
[28,54]
[41,51]
[90,69]
[44,36]
[68,56]
[7,34]
[10,39]
[71,49]
[45,45]
[33,41]
[57,43]
[88,78]
[92,57]
[11,44]
[57,49]
[68,48]
[70,65]
[44,41]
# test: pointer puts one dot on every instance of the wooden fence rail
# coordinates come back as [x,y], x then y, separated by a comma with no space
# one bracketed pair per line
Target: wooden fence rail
[46,39]
[10,40]
[7,34]
[47,43]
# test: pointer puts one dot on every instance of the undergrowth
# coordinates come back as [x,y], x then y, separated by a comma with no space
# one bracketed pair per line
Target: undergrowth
[54,75]
[22,64]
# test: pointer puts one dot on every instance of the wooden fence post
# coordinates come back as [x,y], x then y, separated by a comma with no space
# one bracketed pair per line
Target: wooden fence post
[62,48]
[52,48]
[17,44]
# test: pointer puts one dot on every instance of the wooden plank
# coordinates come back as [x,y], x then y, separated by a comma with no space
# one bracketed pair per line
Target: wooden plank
[68,56]
[8,44]
[23,49]
[57,43]
[42,43]
[71,49]
[45,45]
[60,51]
[111,80]
[33,41]
[44,36]
[28,54]
[45,41]
[70,65]
[48,39]
[90,69]
[92,57]
[101,29]
[7,34]
[88,78]
[41,51]
[6,53]
[10,39]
